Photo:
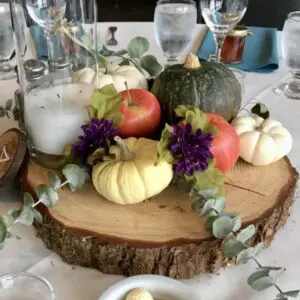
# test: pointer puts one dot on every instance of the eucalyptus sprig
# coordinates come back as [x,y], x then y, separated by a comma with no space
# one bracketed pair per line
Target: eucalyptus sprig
[9,111]
[206,191]
[72,176]
[136,54]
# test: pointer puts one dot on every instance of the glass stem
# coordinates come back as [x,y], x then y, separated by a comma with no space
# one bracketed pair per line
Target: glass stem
[219,39]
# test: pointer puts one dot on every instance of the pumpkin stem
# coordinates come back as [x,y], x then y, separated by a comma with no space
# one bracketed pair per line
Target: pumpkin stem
[125,153]
[129,99]
[192,62]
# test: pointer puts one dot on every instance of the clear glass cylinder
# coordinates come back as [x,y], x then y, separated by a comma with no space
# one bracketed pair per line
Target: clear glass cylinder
[25,286]
[56,40]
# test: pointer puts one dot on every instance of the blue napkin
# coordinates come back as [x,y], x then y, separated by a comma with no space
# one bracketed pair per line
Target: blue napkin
[260,53]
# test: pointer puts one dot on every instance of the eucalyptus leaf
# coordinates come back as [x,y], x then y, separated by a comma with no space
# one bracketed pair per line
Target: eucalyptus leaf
[260,281]
[37,216]
[258,248]
[237,223]
[3,231]
[244,256]
[14,212]
[268,269]
[164,154]
[213,207]
[182,184]
[8,104]
[47,195]
[246,234]
[275,275]
[2,112]
[222,227]
[137,47]
[208,193]
[209,223]
[292,294]
[26,216]
[54,180]
[207,208]
[232,248]
[261,110]
[151,65]
[125,62]
[28,200]
[76,176]
[7,219]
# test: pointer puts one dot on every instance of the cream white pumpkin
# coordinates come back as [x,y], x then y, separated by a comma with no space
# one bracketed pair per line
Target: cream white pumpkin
[262,141]
[134,175]
[118,75]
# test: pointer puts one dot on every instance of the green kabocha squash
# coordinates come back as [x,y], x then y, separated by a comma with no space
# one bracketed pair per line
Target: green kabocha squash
[208,85]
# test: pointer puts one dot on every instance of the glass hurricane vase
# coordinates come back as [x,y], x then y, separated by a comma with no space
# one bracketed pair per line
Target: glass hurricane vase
[53,99]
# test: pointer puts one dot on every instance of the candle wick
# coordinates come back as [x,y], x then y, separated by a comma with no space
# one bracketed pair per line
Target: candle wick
[4,156]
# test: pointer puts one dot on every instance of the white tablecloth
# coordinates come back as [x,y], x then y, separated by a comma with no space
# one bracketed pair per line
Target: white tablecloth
[76,283]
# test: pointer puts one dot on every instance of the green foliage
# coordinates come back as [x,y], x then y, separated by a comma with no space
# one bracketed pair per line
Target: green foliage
[106,102]
[260,280]
[246,234]
[163,146]
[9,111]
[151,65]
[47,195]
[285,295]
[54,180]
[222,227]
[137,47]
[232,248]
[76,176]
[244,256]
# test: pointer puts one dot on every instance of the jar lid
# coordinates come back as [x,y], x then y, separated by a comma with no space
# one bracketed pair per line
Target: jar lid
[240,31]
[34,69]
[59,64]
[13,150]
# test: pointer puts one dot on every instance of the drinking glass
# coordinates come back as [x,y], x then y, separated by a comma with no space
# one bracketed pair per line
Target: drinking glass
[175,22]
[291,56]
[53,95]
[221,16]
[47,14]
[7,43]
[25,286]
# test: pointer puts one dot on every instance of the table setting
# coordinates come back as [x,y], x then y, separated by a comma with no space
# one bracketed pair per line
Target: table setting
[148,160]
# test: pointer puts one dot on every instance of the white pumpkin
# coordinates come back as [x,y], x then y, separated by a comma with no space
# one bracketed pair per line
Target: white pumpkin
[118,75]
[134,175]
[262,141]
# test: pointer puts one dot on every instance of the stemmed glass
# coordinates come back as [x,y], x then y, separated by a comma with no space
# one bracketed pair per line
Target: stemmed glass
[221,16]
[291,56]
[175,22]
[47,14]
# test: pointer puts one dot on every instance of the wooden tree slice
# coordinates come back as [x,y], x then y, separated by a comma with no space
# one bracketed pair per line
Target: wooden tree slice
[163,235]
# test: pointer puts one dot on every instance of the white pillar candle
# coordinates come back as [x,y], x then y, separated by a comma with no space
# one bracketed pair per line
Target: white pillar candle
[54,116]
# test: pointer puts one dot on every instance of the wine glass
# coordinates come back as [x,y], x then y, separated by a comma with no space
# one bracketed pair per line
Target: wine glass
[291,56]
[47,14]
[221,16]
[175,22]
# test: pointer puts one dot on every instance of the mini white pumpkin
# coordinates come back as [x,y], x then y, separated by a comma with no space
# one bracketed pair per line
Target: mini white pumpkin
[118,75]
[139,294]
[262,141]
[134,175]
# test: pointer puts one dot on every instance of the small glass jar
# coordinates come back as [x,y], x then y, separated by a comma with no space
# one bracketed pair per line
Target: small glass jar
[53,100]
[233,47]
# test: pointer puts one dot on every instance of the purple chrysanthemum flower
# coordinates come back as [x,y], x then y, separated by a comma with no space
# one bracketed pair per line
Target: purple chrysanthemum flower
[190,150]
[95,135]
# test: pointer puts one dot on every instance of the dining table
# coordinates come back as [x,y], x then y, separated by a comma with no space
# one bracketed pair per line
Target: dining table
[27,253]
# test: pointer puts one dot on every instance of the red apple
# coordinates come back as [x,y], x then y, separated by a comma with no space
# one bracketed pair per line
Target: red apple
[226,144]
[141,112]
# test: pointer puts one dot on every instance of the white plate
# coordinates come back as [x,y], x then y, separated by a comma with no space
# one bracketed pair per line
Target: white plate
[160,287]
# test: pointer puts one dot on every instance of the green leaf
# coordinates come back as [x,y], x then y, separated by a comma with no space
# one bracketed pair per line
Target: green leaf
[137,47]
[208,193]
[163,146]
[125,62]
[260,281]
[2,112]
[237,223]
[268,269]
[222,227]
[47,195]
[7,219]
[183,185]
[28,200]
[97,155]
[292,294]
[26,216]
[106,101]
[244,256]
[261,110]
[8,104]
[14,212]
[258,248]
[37,216]
[232,248]
[54,180]
[75,176]
[213,207]
[246,234]
[209,223]
[151,65]
[3,231]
